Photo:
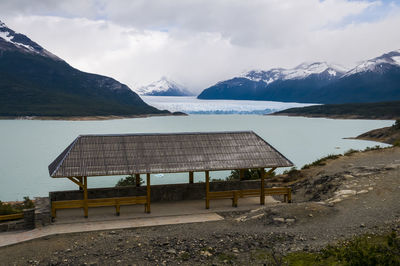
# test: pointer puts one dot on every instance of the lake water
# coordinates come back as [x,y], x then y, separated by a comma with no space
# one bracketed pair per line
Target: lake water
[27,147]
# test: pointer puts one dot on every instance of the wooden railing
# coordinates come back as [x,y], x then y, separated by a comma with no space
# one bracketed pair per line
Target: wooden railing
[102,202]
[11,216]
[234,195]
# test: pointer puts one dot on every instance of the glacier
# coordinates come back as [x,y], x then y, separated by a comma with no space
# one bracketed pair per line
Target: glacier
[192,105]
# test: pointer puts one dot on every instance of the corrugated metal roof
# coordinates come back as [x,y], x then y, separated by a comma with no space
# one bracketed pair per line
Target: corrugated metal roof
[104,155]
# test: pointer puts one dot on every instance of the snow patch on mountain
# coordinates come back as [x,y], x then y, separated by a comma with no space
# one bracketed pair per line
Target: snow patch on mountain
[375,64]
[21,42]
[300,72]
[163,87]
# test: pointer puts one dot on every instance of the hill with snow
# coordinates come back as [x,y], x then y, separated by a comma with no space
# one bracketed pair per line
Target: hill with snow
[163,87]
[377,79]
[35,82]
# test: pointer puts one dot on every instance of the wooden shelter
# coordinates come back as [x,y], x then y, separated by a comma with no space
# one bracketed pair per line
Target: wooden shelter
[135,154]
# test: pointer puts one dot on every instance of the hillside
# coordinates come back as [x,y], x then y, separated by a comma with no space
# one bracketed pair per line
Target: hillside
[377,79]
[390,135]
[34,82]
[380,110]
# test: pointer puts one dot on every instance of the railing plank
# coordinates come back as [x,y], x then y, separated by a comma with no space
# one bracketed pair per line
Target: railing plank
[12,216]
[102,202]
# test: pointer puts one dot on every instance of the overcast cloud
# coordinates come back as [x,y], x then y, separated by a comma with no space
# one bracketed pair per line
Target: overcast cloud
[199,43]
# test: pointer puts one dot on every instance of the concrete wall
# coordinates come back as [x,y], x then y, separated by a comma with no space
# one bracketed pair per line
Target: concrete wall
[172,192]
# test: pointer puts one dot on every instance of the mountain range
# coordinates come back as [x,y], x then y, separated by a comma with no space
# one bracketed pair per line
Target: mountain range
[35,82]
[374,80]
[163,87]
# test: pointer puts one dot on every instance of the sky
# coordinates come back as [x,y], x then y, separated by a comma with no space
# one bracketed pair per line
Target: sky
[199,42]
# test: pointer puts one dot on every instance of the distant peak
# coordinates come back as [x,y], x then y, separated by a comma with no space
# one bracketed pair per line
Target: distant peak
[163,87]
[310,64]
[2,24]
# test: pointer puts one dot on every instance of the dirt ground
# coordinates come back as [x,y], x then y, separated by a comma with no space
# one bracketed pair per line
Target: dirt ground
[348,196]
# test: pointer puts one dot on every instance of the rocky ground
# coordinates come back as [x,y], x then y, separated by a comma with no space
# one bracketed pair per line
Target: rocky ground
[348,196]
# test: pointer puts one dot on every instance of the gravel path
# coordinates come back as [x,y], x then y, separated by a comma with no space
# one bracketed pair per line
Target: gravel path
[349,196]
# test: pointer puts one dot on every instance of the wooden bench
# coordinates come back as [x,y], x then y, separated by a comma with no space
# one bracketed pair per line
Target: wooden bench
[234,195]
[285,191]
[229,194]
[102,202]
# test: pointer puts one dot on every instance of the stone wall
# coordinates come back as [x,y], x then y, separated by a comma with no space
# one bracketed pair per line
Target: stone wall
[33,218]
[26,223]
[171,192]
[12,225]
[42,211]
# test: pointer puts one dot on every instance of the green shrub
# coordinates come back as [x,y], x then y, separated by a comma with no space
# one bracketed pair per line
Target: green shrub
[367,250]
[128,181]
[7,208]
[350,152]
[249,174]
[292,175]
[321,162]
[376,147]
[364,250]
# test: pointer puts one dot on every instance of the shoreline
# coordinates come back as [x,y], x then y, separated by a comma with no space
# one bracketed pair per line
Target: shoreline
[87,118]
[350,117]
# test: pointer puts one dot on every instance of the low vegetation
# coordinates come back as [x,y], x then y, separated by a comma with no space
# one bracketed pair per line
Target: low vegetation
[363,250]
[249,174]
[322,161]
[128,181]
[12,208]
[381,110]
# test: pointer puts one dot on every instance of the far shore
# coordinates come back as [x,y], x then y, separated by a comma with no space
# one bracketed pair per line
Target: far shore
[87,118]
[358,117]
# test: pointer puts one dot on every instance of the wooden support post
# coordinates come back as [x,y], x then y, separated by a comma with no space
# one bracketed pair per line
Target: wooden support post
[85,196]
[76,181]
[80,180]
[191,179]
[207,189]
[148,194]
[117,209]
[241,174]
[137,180]
[235,198]
[262,195]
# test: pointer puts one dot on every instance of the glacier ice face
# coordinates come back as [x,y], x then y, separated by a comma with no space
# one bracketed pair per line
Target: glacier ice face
[192,105]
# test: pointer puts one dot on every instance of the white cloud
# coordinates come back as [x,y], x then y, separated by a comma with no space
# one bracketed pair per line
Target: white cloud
[198,43]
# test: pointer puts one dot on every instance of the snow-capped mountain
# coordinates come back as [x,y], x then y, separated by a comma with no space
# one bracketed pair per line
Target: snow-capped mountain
[300,72]
[378,64]
[11,40]
[35,82]
[376,79]
[163,87]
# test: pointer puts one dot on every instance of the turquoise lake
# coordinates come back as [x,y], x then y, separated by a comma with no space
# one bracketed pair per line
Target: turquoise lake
[27,147]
